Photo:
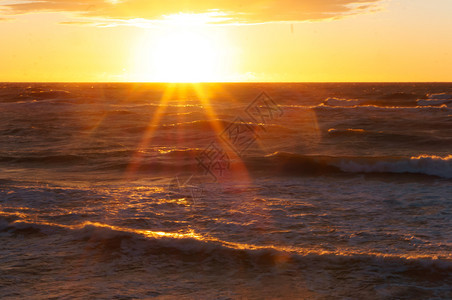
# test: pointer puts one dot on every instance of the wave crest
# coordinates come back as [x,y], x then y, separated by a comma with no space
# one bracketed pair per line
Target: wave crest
[423,164]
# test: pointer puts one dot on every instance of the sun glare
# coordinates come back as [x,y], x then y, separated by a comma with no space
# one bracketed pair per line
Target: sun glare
[185,56]
[180,56]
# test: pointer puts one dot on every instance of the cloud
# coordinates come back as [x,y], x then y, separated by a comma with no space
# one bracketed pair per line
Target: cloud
[221,11]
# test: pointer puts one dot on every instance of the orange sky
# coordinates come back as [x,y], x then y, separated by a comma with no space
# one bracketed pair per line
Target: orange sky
[226,40]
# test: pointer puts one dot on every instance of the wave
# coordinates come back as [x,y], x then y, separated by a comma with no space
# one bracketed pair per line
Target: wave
[380,136]
[102,156]
[440,96]
[342,102]
[348,131]
[206,125]
[191,246]
[441,99]
[197,124]
[383,136]
[435,102]
[279,163]
[423,164]
[394,99]
[290,163]
[399,96]
[414,108]
[372,106]
[194,246]
[42,94]
[46,159]
[14,225]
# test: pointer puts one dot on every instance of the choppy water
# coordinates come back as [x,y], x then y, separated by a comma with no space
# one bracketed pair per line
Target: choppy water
[226,191]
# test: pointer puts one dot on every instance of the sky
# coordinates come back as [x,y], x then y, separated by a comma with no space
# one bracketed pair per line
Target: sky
[226,40]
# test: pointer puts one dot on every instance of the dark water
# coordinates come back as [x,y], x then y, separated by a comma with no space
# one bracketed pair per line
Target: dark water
[226,191]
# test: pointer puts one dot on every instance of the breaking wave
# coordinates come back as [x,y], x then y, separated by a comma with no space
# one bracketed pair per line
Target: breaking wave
[423,164]
[300,164]
[196,247]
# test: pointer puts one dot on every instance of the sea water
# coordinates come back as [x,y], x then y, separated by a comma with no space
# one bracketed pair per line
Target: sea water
[226,191]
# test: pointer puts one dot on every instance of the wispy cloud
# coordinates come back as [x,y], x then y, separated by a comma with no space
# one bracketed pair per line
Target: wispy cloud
[221,11]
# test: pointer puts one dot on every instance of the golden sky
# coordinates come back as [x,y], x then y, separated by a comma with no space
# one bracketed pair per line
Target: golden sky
[226,40]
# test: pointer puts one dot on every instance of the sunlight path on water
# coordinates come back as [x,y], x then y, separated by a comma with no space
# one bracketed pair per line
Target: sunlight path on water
[149,133]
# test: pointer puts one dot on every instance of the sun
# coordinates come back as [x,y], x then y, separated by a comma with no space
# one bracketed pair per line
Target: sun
[185,57]
[180,56]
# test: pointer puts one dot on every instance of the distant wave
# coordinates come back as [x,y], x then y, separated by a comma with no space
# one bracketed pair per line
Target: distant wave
[380,136]
[399,96]
[222,123]
[290,163]
[423,164]
[380,107]
[377,106]
[348,131]
[436,100]
[393,99]
[196,124]
[41,94]
[440,96]
[342,102]
[279,163]
[45,159]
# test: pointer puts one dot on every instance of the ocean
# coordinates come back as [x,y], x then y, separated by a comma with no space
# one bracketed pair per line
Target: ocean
[226,191]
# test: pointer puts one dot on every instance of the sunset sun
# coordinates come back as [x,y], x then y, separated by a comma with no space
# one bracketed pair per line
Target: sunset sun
[180,56]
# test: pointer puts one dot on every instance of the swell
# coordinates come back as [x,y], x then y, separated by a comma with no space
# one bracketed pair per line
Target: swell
[193,247]
[204,125]
[388,106]
[102,157]
[278,163]
[398,99]
[45,159]
[395,99]
[424,164]
[410,138]
[290,163]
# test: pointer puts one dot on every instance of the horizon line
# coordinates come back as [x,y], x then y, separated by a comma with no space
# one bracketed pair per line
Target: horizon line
[220,82]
